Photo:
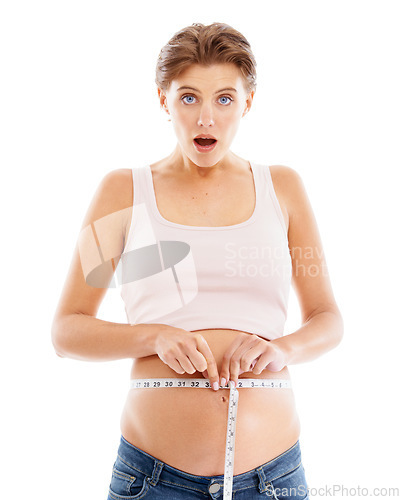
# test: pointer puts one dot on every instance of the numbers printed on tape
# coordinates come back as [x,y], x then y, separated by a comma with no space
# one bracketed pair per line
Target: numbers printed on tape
[153,383]
[230,441]
[163,383]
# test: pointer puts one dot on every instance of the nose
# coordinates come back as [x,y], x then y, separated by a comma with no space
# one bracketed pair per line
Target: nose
[206,116]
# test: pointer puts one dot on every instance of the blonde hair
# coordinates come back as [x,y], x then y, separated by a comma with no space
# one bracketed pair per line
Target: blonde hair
[205,45]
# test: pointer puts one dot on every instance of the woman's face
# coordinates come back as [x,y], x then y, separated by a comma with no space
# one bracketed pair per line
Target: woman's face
[206,101]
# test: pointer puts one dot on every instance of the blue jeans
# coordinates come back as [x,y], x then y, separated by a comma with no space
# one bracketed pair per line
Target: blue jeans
[136,474]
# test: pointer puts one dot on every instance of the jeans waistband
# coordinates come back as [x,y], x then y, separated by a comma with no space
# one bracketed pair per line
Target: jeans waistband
[161,471]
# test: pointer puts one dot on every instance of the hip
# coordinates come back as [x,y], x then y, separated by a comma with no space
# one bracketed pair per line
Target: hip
[137,474]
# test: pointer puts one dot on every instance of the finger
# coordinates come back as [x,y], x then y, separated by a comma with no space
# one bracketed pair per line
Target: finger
[234,367]
[277,364]
[263,361]
[211,367]
[186,364]
[250,357]
[234,372]
[243,357]
[198,355]
[172,362]
[225,373]
[212,371]
[176,366]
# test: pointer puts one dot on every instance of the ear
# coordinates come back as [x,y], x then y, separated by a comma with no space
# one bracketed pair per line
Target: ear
[249,102]
[163,99]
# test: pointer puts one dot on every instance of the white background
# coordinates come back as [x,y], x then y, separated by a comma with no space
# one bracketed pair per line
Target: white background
[78,99]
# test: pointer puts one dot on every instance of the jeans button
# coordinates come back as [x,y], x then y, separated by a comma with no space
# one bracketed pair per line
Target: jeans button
[214,488]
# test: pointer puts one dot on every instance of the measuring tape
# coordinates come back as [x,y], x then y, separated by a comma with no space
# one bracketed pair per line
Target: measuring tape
[162,383]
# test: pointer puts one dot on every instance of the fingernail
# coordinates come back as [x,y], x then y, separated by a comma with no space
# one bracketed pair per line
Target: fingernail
[223,381]
[215,386]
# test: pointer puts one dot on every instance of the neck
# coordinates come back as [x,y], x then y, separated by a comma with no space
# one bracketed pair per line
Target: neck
[181,163]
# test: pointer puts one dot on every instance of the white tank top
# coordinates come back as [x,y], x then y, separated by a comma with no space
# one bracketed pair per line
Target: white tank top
[197,277]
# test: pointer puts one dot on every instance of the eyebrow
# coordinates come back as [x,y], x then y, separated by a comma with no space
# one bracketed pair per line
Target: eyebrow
[218,91]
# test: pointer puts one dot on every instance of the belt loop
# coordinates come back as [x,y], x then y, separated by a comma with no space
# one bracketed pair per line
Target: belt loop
[265,486]
[262,488]
[158,466]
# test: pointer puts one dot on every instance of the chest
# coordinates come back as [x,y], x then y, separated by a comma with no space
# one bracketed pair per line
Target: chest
[205,204]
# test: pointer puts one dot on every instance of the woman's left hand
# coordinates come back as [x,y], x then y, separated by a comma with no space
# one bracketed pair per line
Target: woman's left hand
[249,352]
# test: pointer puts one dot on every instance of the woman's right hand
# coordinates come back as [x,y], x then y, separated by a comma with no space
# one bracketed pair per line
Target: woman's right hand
[186,352]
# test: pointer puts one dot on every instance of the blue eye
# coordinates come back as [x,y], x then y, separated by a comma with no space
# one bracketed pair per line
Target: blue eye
[192,97]
[187,96]
[227,97]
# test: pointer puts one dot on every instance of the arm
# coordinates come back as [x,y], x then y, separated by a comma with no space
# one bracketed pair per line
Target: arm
[75,331]
[322,324]
[86,338]
[321,333]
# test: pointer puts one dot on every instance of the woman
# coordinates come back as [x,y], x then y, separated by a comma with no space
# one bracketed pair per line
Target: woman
[205,246]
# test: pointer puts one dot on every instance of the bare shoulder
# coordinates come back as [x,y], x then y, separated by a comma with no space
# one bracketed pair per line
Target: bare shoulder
[288,184]
[111,204]
[291,190]
[116,189]
[114,194]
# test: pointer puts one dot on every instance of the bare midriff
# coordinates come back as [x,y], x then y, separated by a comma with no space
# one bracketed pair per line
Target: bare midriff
[186,427]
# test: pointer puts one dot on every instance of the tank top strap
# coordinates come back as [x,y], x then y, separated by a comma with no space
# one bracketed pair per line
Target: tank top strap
[265,186]
[259,181]
[271,194]
[140,191]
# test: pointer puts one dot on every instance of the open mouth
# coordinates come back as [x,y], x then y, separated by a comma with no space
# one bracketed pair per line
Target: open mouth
[205,142]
